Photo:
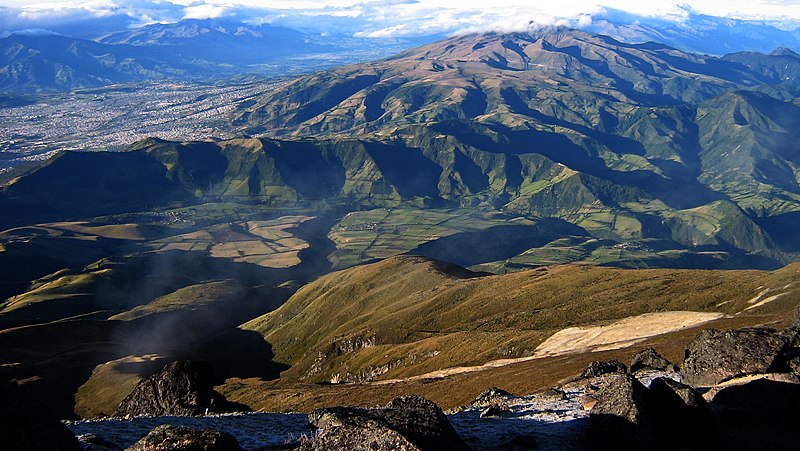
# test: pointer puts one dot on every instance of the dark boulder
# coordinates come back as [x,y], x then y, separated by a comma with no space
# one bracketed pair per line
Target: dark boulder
[623,415]
[761,414]
[624,397]
[667,415]
[491,395]
[414,419]
[351,438]
[682,416]
[794,365]
[168,437]
[596,369]
[789,360]
[181,388]
[667,391]
[494,412]
[715,356]
[650,359]
[25,423]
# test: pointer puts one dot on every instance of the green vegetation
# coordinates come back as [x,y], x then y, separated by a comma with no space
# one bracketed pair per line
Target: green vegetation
[503,154]
[407,316]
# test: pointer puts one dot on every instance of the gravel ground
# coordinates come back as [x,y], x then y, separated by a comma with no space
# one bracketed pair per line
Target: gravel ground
[552,419]
[254,431]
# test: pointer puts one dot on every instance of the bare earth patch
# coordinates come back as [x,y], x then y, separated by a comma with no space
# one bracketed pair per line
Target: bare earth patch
[574,340]
[622,333]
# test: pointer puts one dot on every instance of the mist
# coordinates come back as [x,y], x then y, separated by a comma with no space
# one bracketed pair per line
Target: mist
[381,19]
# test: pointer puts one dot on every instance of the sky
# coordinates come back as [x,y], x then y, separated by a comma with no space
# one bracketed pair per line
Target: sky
[378,18]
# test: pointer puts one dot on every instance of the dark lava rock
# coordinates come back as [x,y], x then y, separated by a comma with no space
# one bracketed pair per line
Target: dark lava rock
[666,391]
[715,356]
[624,397]
[406,421]
[25,424]
[493,412]
[555,393]
[759,415]
[596,369]
[181,388]
[682,416]
[651,359]
[623,417]
[794,365]
[491,395]
[168,437]
[348,438]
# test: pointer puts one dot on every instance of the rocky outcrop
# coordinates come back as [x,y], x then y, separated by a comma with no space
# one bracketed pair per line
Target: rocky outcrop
[408,422]
[750,398]
[167,437]
[761,414]
[624,412]
[596,369]
[668,414]
[650,359]
[682,416]
[491,395]
[715,356]
[25,424]
[181,388]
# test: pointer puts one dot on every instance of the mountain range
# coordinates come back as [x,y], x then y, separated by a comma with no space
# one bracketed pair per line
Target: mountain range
[190,50]
[207,49]
[624,142]
[425,178]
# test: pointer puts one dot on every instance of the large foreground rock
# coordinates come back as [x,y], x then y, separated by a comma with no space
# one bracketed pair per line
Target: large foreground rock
[599,368]
[650,359]
[167,437]
[683,418]
[26,425]
[715,356]
[667,415]
[408,422]
[761,415]
[181,388]
[623,415]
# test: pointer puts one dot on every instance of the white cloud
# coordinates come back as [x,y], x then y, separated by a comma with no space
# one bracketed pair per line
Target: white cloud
[385,17]
[205,11]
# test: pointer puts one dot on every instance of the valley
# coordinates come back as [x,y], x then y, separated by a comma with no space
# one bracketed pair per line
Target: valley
[495,210]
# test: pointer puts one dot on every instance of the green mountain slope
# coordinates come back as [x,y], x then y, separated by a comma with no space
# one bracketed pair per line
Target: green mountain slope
[408,315]
[625,142]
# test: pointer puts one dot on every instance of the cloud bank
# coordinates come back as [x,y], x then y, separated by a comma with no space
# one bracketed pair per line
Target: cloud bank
[374,18]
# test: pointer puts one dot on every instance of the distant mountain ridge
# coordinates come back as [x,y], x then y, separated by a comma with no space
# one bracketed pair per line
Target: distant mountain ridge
[696,32]
[54,62]
[195,49]
[623,142]
[190,50]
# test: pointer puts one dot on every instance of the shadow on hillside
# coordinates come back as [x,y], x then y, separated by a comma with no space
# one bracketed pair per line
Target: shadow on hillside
[495,243]
[67,352]
[241,353]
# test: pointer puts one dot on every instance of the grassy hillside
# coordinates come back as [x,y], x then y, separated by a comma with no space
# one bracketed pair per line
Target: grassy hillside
[406,316]
[629,143]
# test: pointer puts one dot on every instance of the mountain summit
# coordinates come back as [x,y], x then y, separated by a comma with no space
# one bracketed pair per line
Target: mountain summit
[629,143]
[567,75]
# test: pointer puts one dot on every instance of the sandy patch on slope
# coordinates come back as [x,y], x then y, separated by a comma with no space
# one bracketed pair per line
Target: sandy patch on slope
[620,334]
